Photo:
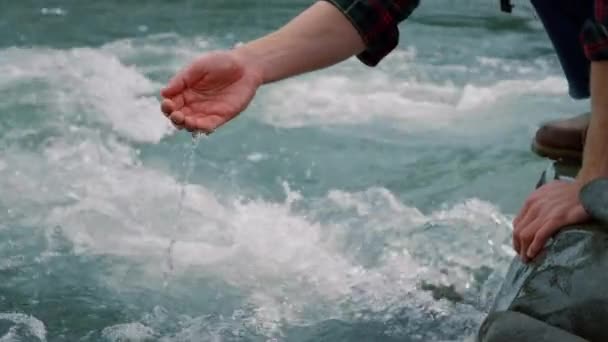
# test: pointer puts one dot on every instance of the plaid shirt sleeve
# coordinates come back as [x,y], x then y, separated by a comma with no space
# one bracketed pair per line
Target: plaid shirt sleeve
[376,21]
[595,34]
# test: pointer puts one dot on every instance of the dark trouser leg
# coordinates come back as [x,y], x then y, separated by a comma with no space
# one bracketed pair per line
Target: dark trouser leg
[564,20]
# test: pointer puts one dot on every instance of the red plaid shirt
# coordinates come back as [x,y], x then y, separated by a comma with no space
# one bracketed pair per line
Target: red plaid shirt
[376,21]
[595,34]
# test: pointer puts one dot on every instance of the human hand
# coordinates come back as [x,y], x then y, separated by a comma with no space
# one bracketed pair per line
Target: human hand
[211,91]
[548,209]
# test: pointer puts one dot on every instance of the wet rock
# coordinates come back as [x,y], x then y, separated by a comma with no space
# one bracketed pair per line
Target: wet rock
[510,326]
[563,294]
[565,287]
[442,292]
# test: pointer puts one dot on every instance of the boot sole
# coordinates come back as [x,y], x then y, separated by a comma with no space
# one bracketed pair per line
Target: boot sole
[557,154]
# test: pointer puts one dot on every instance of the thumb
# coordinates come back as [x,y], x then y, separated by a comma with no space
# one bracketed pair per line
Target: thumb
[187,77]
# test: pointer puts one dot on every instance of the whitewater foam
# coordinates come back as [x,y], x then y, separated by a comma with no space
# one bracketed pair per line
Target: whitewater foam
[334,99]
[342,253]
[90,82]
[271,250]
[24,326]
[135,332]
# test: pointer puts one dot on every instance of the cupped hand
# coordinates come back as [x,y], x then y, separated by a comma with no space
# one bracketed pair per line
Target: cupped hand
[211,91]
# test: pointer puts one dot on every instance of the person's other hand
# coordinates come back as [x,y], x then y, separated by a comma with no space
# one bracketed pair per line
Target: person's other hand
[548,209]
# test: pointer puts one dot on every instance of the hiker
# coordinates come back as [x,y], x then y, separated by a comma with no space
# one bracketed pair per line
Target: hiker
[219,85]
[579,35]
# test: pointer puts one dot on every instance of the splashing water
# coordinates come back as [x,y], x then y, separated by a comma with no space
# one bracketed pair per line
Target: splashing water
[362,204]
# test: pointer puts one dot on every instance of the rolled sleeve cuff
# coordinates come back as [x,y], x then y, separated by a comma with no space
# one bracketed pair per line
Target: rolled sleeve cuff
[595,41]
[376,21]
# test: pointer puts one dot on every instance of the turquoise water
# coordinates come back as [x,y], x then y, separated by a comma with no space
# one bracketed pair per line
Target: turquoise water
[327,212]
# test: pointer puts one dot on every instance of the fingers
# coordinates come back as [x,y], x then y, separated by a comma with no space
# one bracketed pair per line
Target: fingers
[530,216]
[177,118]
[190,123]
[516,245]
[171,105]
[207,124]
[525,236]
[167,107]
[552,223]
[517,226]
[189,75]
[541,237]
[184,118]
[175,85]
[526,226]
[547,210]
[524,210]
[521,223]
[531,236]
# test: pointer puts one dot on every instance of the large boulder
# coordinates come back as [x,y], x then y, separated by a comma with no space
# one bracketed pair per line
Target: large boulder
[563,294]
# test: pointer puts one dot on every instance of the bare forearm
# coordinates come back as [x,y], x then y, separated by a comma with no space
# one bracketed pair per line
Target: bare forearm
[595,158]
[319,37]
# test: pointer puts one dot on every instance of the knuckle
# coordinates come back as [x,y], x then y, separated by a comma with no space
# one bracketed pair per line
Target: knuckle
[555,220]
[534,196]
[543,236]
[517,234]
[535,207]
[529,201]
[527,235]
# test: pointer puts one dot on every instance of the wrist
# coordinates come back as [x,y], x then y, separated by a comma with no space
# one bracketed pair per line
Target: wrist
[591,170]
[251,62]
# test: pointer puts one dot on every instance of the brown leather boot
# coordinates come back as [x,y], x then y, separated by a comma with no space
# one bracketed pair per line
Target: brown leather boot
[562,139]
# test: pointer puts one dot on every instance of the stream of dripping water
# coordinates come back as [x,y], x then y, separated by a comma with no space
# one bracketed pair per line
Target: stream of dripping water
[188,166]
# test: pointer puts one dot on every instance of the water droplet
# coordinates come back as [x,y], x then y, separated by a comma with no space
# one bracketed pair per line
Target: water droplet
[52,11]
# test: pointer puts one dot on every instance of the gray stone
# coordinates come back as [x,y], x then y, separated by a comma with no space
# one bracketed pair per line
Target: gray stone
[509,326]
[563,294]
